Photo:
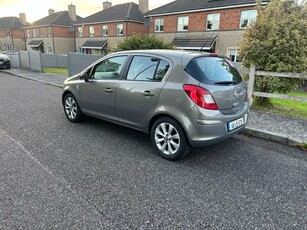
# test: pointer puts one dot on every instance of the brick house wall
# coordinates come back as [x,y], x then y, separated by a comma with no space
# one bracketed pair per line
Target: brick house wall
[60,41]
[129,28]
[229,34]
[15,41]
[229,20]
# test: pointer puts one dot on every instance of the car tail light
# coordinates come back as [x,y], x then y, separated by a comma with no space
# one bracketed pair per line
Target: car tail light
[200,96]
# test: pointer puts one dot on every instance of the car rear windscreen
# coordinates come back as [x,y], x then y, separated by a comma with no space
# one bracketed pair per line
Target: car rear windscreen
[213,70]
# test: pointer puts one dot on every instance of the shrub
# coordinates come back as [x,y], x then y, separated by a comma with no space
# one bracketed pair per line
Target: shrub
[143,41]
[276,42]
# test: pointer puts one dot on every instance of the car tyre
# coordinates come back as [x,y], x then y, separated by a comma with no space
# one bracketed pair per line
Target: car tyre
[8,66]
[72,109]
[169,139]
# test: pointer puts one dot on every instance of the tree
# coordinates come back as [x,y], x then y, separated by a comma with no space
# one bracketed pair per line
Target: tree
[277,42]
[143,41]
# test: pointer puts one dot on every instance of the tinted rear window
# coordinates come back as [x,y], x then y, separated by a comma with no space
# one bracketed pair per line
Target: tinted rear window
[213,70]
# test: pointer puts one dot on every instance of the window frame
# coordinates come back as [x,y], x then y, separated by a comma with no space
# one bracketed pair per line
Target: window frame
[34,33]
[49,49]
[122,29]
[143,56]
[91,31]
[158,21]
[249,18]
[8,33]
[105,30]
[213,21]
[182,23]
[80,31]
[91,71]
[236,50]
[49,31]
[41,32]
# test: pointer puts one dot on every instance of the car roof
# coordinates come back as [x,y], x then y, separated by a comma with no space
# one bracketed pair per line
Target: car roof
[178,56]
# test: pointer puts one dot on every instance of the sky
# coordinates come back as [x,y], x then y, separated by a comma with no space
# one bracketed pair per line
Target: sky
[37,9]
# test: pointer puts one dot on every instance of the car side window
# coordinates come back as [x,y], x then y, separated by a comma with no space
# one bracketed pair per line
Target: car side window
[109,68]
[147,69]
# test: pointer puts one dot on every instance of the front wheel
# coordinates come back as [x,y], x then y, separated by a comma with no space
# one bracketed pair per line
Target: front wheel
[169,139]
[72,109]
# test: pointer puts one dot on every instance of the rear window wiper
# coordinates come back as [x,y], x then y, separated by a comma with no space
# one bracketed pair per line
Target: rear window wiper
[225,83]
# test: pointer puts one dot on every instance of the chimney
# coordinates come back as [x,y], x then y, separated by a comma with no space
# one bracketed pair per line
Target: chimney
[51,11]
[143,6]
[22,18]
[106,5]
[72,12]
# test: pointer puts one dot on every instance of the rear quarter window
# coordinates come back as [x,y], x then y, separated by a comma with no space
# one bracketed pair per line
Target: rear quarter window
[213,70]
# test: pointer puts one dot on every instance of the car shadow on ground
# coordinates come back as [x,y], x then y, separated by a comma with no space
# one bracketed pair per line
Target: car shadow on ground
[137,138]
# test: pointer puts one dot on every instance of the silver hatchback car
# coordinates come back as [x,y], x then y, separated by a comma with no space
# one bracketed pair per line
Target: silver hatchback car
[182,99]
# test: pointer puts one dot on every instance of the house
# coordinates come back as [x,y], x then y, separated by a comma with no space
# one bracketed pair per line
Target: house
[53,33]
[106,28]
[215,26]
[11,32]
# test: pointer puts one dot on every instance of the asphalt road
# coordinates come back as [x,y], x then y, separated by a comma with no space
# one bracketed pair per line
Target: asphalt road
[96,175]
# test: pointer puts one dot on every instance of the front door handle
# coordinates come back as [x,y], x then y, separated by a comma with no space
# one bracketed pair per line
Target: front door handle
[148,93]
[109,90]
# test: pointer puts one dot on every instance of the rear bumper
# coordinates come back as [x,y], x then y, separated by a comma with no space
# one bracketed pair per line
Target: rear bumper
[205,132]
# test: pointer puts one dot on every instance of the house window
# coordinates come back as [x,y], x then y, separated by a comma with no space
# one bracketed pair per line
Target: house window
[247,17]
[119,29]
[159,25]
[105,31]
[80,31]
[50,31]
[92,31]
[183,23]
[233,55]
[41,32]
[8,33]
[34,33]
[28,33]
[49,49]
[213,22]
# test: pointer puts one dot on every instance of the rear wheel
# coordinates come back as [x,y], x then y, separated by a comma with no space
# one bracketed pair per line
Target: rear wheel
[72,109]
[169,139]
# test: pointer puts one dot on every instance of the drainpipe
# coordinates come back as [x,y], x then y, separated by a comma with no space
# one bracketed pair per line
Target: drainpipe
[52,39]
[12,39]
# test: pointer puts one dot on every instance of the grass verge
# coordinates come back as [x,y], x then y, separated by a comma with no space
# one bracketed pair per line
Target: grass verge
[56,70]
[287,107]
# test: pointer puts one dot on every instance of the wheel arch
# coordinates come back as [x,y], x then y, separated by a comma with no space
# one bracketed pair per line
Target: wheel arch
[64,95]
[160,115]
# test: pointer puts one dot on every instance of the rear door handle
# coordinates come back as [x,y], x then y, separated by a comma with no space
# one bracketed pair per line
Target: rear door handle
[148,93]
[109,90]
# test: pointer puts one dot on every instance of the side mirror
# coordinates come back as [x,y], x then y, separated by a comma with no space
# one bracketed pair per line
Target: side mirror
[85,76]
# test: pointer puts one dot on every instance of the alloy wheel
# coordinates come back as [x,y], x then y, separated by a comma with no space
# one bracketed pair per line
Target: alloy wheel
[167,138]
[71,108]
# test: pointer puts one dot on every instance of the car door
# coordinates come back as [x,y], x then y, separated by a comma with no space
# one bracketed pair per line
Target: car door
[97,95]
[138,93]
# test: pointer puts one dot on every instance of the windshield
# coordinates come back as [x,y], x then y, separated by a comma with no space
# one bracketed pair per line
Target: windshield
[213,70]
